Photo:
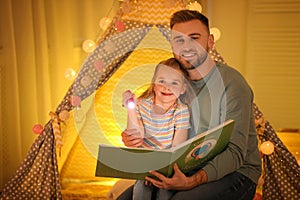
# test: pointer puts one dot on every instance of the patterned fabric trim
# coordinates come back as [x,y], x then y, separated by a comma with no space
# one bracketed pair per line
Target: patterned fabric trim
[281,172]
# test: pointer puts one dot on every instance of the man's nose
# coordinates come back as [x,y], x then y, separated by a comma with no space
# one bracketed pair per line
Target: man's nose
[188,45]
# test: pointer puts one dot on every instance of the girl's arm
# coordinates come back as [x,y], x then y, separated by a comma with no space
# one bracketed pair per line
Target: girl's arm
[179,136]
[132,119]
[133,122]
[182,118]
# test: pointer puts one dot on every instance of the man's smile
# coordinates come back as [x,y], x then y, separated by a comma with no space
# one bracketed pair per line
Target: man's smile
[188,55]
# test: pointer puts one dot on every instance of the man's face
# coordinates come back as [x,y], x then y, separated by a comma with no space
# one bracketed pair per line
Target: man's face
[190,43]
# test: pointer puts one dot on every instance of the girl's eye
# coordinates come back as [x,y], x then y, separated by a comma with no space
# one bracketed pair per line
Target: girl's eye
[179,41]
[174,83]
[161,81]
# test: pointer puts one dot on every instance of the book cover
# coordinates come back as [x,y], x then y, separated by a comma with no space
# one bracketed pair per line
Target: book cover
[135,163]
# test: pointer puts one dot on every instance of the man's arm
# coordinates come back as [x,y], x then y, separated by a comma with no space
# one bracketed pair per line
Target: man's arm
[238,106]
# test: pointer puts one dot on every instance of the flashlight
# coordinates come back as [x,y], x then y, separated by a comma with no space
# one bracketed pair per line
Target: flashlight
[130,103]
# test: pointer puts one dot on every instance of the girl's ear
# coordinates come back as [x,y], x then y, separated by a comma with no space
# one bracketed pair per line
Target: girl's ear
[183,88]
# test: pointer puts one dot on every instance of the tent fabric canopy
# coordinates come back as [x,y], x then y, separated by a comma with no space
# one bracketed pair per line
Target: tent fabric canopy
[281,172]
[92,102]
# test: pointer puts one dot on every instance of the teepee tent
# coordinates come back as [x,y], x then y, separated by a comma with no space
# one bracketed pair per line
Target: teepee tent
[125,56]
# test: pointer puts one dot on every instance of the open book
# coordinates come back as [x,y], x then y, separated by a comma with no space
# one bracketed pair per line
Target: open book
[135,163]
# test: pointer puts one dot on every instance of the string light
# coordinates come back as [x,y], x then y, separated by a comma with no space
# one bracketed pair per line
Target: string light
[70,74]
[38,129]
[195,6]
[88,46]
[104,22]
[267,148]
[216,32]
[120,26]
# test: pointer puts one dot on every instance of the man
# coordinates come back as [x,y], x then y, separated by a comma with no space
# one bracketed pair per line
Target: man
[222,94]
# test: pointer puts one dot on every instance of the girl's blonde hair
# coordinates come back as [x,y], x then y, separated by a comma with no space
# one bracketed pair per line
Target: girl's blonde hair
[172,63]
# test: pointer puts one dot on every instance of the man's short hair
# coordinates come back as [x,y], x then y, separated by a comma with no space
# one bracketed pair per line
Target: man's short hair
[188,15]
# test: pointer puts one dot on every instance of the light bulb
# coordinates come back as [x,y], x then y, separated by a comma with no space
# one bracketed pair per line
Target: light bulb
[195,6]
[216,32]
[104,22]
[70,74]
[267,147]
[88,46]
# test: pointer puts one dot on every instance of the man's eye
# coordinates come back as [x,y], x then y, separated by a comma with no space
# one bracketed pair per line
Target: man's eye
[194,38]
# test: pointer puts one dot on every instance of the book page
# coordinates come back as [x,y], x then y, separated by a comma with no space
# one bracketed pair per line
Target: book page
[189,141]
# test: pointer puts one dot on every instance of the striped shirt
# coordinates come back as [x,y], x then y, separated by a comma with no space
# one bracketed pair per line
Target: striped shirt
[160,128]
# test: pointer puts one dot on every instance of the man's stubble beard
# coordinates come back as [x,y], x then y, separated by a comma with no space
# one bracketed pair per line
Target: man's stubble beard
[192,65]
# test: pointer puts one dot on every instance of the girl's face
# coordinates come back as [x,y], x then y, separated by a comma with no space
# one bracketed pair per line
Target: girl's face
[168,85]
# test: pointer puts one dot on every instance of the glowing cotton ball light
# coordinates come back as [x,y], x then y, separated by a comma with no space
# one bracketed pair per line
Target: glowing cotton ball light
[64,115]
[104,22]
[70,74]
[120,26]
[88,46]
[267,148]
[216,32]
[195,6]
[38,129]
[75,100]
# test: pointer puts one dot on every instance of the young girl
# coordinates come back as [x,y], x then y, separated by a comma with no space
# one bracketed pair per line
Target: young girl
[159,115]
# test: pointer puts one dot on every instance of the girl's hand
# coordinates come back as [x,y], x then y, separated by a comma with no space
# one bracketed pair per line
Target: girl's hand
[126,97]
[132,138]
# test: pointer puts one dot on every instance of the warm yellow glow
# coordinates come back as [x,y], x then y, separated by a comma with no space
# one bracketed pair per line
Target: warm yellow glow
[70,74]
[195,6]
[267,148]
[104,22]
[100,118]
[108,183]
[216,32]
[135,74]
[88,46]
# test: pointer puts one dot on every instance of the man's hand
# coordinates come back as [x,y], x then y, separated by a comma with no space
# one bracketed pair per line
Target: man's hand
[132,138]
[179,181]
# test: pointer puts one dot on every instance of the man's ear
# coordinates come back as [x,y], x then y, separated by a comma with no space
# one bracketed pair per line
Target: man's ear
[211,41]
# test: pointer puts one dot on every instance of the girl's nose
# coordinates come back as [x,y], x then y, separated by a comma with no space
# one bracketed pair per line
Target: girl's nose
[167,87]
